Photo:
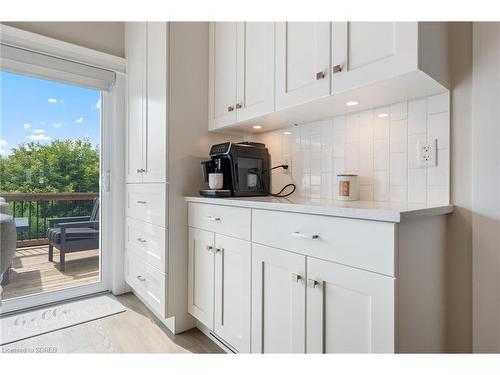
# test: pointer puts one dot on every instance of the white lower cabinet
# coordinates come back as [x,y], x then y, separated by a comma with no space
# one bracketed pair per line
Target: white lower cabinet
[232,291]
[278,301]
[219,285]
[201,276]
[348,310]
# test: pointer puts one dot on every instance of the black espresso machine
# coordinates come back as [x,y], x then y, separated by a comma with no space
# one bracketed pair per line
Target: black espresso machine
[245,168]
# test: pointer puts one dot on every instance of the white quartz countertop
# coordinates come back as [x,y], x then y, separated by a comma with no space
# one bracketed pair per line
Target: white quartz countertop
[369,210]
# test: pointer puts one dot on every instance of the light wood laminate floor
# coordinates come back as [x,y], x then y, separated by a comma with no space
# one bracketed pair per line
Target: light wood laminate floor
[32,272]
[136,330]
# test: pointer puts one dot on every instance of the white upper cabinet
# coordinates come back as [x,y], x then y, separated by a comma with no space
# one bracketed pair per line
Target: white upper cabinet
[136,72]
[241,71]
[222,77]
[255,69]
[318,67]
[146,54]
[349,310]
[302,62]
[366,52]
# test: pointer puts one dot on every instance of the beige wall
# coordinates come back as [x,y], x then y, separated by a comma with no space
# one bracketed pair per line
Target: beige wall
[101,36]
[459,253]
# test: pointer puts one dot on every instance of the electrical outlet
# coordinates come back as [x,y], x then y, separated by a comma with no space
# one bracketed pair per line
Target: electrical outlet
[287,162]
[426,153]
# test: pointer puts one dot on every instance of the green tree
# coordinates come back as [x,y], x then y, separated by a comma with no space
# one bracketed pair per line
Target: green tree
[60,166]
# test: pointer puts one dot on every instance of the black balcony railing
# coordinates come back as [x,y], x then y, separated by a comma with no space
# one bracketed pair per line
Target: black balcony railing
[36,208]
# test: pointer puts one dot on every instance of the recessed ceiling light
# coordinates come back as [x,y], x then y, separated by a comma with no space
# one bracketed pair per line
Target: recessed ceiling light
[257,127]
[352,103]
[287,133]
[383,115]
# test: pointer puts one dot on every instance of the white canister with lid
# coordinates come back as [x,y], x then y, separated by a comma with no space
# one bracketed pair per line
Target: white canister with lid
[348,188]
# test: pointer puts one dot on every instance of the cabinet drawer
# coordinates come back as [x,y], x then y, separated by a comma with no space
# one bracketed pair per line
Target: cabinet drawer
[147,202]
[148,240]
[231,221]
[364,244]
[147,282]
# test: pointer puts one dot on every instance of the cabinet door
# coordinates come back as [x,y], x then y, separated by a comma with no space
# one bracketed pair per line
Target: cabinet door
[201,276]
[232,291]
[222,77]
[368,52]
[136,71]
[255,69]
[302,62]
[348,310]
[155,129]
[278,301]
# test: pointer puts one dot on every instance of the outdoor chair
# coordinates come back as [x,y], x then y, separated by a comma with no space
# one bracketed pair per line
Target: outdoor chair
[72,234]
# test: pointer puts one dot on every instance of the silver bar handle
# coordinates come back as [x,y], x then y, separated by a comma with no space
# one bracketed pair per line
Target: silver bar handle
[311,283]
[336,68]
[210,247]
[305,236]
[142,170]
[213,218]
[239,105]
[142,202]
[320,75]
[219,250]
[296,277]
[141,240]
[230,108]
[141,278]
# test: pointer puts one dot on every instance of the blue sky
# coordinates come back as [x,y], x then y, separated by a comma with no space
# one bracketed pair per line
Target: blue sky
[33,109]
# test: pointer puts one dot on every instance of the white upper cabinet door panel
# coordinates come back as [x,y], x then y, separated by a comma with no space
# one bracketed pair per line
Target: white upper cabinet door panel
[155,132]
[348,310]
[278,301]
[201,276]
[255,69]
[232,291]
[222,65]
[302,62]
[136,70]
[367,52]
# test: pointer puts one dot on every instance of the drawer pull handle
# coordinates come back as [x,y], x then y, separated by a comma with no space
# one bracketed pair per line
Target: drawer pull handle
[210,248]
[219,250]
[142,202]
[142,170]
[213,218]
[311,283]
[296,277]
[305,236]
[141,240]
[141,278]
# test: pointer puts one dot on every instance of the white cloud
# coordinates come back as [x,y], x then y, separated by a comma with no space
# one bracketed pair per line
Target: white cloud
[27,126]
[38,137]
[98,104]
[38,131]
[79,120]
[52,100]
[3,147]
[57,125]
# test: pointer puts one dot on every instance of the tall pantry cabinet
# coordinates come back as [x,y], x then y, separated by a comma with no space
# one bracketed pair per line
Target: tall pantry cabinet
[167,85]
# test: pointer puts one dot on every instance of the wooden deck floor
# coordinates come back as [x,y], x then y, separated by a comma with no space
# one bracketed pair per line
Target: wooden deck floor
[32,272]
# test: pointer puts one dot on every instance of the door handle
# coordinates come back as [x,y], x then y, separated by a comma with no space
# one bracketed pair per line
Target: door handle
[230,108]
[305,236]
[320,75]
[213,218]
[141,240]
[142,202]
[141,278]
[336,68]
[296,277]
[311,283]
[239,106]
[210,247]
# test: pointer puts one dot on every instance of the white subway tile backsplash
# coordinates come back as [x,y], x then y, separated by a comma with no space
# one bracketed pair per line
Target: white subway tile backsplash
[438,127]
[380,145]
[399,169]
[399,111]
[417,116]
[381,186]
[381,152]
[438,103]
[417,185]
[399,136]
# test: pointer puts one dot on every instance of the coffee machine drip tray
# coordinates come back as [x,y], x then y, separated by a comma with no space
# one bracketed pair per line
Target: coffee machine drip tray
[215,193]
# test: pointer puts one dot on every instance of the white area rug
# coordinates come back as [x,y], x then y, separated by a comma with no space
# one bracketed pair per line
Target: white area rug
[36,322]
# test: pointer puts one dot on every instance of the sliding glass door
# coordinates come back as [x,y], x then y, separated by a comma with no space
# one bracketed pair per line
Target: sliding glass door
[53,182]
